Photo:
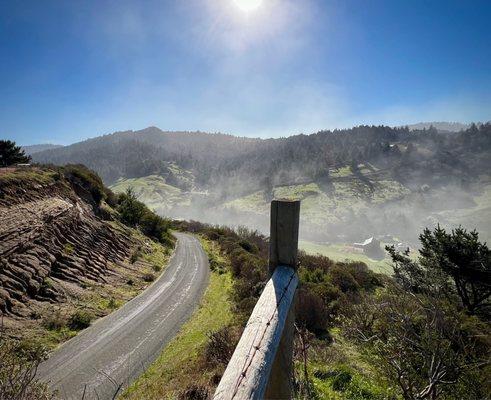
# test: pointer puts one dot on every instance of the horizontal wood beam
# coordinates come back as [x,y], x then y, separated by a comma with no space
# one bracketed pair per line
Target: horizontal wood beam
[248,372]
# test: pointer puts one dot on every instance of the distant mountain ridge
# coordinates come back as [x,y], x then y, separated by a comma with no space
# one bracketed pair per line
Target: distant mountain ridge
[220,159]
[441,126]
[36,148]
[384,179]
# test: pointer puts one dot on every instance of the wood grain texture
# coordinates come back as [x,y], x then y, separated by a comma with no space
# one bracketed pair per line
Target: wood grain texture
[248,372]
[283,241]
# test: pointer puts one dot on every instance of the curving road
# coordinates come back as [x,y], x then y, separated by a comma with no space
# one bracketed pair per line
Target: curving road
[115,350]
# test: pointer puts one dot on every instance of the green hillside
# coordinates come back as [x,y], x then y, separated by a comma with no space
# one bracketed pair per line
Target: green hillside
[343,252]
[344,195]
[153,191]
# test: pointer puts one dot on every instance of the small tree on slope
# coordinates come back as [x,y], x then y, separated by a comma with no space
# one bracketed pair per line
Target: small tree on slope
[11,154]
[451,264]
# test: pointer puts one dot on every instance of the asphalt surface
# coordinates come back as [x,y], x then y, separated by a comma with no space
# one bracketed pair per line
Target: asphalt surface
[115,350]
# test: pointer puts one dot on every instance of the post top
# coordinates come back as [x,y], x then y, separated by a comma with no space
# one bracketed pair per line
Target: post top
[285,200]
[283,240]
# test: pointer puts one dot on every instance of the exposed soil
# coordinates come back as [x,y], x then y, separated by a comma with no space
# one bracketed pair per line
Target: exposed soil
[49,234]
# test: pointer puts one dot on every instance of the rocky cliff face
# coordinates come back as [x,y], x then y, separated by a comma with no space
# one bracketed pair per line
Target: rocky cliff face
[49,232]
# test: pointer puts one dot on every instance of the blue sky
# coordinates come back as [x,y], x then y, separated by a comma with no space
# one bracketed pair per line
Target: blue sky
[71,70]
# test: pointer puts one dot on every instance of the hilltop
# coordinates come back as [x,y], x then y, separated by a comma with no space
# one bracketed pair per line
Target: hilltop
[354,183]
[443,127]
[36,148]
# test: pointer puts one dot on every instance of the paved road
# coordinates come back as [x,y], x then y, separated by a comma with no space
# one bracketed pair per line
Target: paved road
[115,350]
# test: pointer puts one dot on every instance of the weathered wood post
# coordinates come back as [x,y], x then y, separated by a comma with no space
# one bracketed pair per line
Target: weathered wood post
[261,366]
[283,250]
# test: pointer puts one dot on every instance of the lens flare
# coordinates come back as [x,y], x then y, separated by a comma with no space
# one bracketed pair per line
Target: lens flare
[248,5]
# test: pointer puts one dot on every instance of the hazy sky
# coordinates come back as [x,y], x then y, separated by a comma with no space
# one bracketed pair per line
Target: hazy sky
[76,69]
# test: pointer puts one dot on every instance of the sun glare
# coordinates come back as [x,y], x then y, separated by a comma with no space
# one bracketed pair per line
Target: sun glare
[248,5]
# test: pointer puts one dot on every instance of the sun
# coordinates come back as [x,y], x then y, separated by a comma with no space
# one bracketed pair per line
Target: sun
[248,5]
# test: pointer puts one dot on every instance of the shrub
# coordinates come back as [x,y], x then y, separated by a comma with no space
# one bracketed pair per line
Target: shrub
[341,277]
[310,311]
[134,213]
[18,366]
[149,277]
[111,197]
[68,249]
[80,320]
[130,209]
[443,349]
[136,255]
[154,226]
[54,320]
[195,392]
[341,379]
[112,304]
[248,246]
[220,346]
[82,176]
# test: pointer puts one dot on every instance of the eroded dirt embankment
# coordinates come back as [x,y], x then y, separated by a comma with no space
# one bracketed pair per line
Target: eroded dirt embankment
[50,233]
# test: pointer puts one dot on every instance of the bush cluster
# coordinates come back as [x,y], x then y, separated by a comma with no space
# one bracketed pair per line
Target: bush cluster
[80,320]
[247,251]
[81,176]
[326,287]
[19,362]
[134,213]
[427,331]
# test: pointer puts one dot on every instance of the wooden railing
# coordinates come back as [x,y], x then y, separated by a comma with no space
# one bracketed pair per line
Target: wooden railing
[261,366]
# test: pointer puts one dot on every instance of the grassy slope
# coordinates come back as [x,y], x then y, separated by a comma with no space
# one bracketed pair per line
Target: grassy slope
[348,194]
[153,191]
[339,252]
[340,372]
[171,371]
[12,176]
[478,216]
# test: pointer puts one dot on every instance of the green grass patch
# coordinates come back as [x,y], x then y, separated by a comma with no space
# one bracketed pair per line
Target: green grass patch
[345,198]
[254,203]
[218,262]
[153,191]
[297,192]
[33,175]
[176,366]
[340,371]
[342,252]
[342,172]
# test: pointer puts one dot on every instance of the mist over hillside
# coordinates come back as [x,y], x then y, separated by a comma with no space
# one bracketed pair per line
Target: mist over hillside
[354,183]
[441,126]
[36,148]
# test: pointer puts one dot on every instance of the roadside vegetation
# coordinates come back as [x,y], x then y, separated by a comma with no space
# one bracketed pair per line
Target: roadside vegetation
[19,362]
[185,361]
[359,335]
[25,341]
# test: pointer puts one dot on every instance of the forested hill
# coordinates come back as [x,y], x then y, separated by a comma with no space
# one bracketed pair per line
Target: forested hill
[148,151]
[353,183]
[218,159]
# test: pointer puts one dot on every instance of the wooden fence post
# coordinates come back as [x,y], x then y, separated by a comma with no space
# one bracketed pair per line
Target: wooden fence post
[283,249]
[283,239]
[261,366]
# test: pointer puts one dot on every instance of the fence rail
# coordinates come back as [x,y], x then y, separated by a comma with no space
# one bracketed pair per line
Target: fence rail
[261,366]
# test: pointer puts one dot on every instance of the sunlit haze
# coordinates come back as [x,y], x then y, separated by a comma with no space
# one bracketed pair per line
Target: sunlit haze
[248,5]
[257,68]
